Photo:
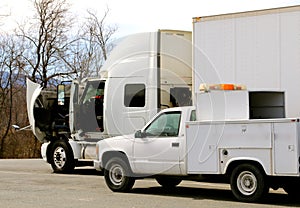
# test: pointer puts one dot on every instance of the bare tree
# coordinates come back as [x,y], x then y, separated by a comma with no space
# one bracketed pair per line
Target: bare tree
[47,40]
[11,63]
[93,45]
[82,56]
[101,31]
[42,50]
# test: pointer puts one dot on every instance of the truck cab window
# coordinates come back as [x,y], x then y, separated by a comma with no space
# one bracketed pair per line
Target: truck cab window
[75,97]
[135,95]
[167,124]
[193,116]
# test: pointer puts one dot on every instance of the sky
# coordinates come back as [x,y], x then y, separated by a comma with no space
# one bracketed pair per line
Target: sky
[133,16]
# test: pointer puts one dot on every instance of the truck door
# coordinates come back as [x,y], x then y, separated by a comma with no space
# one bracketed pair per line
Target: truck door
[158,150]
[73,104]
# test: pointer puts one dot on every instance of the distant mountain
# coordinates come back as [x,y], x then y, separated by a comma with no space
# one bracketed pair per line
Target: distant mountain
[20,80]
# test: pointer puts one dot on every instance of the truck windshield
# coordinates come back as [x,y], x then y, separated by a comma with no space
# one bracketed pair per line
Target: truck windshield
[167,124]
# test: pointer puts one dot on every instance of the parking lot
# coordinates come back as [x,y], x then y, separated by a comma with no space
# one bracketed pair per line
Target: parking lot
[31,183]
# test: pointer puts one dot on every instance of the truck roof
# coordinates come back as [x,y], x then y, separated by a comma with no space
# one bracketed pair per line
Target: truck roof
[138,50]
[247,13]
[183,108]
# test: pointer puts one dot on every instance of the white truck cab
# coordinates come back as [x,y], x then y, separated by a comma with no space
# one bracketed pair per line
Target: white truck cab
[157,148]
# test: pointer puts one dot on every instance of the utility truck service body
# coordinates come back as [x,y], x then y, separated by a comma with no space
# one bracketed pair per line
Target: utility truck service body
[144,73]
[243,126]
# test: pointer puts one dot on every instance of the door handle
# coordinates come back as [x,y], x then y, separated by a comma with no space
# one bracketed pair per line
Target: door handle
[175,144]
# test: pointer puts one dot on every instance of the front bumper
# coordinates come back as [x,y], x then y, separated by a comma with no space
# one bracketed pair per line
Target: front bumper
[44,151]
[97,165]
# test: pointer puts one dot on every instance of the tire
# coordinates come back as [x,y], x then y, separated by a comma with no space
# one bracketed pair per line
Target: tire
[168,183]
[118,176]
[248,183]
[61,157]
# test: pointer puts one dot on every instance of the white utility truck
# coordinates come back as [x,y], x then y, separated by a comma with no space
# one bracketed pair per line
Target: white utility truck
[246,135]
[145,73]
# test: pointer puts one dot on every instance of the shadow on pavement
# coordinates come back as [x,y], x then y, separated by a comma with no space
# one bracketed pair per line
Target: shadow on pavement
[83,171]
[271,199]
[214,194]
[87,172]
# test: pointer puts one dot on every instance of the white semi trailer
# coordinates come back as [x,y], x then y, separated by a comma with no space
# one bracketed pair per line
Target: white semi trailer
[258,49]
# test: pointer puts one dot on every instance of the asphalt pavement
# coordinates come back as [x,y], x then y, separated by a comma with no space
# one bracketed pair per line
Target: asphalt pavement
[30,183]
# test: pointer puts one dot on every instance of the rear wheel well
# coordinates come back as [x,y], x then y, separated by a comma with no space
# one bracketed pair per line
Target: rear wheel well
[236,163]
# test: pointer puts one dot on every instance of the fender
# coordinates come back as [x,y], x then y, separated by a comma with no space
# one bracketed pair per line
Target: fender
[225,168]
[121,144]
[44,148]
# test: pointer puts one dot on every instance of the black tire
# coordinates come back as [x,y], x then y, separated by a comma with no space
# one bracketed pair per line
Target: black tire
[61,157]
[248,183]
[118,176]
[167,182]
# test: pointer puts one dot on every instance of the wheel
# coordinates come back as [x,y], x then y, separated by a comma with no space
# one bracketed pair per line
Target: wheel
[61,157]
[118,176]
[168,182]
[248,183]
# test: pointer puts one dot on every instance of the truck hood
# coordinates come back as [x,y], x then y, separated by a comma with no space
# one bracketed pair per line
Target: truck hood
[116,139]
[32,92]
[119,143]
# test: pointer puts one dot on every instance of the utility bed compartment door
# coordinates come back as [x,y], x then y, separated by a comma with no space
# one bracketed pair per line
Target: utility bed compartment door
[286,150]
[201,149]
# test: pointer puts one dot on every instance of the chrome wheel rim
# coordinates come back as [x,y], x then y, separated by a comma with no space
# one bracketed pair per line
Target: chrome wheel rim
[246,183]
[59,157]
[116,174]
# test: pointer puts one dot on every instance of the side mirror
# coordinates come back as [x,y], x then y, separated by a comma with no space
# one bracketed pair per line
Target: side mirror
[61,94]
[16,127]
[139,134]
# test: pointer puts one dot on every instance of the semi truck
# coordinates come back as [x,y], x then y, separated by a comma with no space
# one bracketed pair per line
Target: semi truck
[144,73]
[243,126]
